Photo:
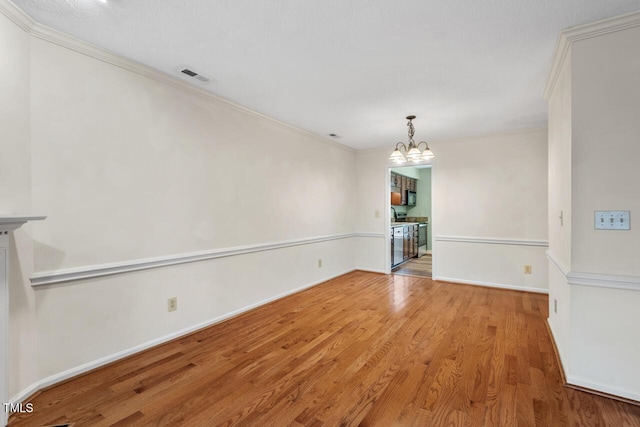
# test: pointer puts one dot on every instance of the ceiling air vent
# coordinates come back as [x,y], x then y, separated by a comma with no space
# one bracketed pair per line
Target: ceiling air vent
[195,75]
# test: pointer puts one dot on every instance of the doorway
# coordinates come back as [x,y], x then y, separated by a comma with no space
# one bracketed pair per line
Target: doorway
[410,189]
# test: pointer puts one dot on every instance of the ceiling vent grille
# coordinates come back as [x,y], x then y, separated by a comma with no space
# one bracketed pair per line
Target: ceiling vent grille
[195,75]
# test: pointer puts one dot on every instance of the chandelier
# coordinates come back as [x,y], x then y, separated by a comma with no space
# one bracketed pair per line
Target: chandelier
[412,152]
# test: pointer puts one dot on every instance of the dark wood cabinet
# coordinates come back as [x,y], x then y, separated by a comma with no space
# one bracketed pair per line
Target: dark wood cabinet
[410,241]
[399,185]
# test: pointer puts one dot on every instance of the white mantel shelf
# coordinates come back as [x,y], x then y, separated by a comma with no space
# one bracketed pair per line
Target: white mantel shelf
[13,222]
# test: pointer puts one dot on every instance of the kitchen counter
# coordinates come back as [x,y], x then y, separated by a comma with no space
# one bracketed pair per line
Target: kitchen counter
[400,224]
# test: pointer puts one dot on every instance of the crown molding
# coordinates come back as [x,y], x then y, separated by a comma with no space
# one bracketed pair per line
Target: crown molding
[582,32]
[16,15]
[35,29]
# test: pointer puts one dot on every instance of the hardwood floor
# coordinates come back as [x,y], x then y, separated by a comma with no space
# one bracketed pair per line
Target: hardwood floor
[363,349]
[416,267]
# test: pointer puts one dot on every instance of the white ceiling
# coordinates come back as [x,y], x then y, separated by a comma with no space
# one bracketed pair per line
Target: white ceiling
[355,68]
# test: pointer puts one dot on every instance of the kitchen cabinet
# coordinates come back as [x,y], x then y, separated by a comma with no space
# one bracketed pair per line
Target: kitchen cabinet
[399,185]
[404,243]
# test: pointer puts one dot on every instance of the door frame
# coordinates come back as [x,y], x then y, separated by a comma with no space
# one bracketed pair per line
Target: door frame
[387,192]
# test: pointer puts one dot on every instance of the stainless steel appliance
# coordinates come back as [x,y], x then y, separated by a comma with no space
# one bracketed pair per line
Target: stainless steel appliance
[411,198]
[398,245]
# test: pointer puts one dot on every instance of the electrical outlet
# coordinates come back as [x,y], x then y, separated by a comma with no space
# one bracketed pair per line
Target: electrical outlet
[319,263]
[376,214]
[172,304]
[555,306]
[527,269]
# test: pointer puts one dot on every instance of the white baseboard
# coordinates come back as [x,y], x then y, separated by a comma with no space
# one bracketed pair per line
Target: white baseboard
[491,285]
[603,388]
[86,367]
[557,342]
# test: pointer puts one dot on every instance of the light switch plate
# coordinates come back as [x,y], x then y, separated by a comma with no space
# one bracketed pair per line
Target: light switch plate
[612,220]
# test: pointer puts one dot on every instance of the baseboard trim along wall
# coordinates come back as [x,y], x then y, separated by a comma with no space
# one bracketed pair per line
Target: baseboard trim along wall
[599,389]
[585,385]
[598,280]
[490,285]
[93,271]
[89,366]
[492,240]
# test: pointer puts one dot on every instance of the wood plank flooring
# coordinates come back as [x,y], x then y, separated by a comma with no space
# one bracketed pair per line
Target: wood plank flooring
[416,267]
[363,349]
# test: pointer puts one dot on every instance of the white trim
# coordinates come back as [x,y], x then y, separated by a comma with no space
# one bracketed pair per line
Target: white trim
[370,235]
[555,261]
[69,373]
[491,285]
[492,241]
[596,386]
[563,357]
[604,280]
[13,222]
[598,280]
[582,32]
[15,14]
[92,271]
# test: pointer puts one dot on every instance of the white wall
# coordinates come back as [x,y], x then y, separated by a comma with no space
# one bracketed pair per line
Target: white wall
[106,315]
[170,171]
[603,346]
[491,187]
[594,105]
[606,149]
[372,196]
[560,203]
[129,168]
[15,198]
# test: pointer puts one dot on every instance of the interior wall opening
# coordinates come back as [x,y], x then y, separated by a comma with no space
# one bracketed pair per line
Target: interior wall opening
[410,228]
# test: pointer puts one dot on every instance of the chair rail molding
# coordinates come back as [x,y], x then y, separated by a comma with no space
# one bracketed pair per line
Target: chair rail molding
[92,271]
[492,240]
[598,280]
